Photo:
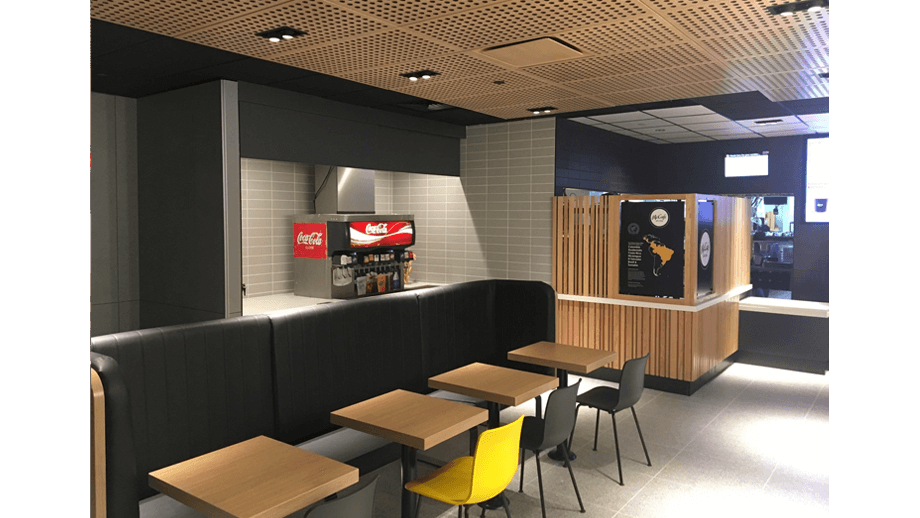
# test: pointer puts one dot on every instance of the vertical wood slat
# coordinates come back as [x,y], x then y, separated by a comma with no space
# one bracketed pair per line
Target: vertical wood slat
[97,447]
[682,345]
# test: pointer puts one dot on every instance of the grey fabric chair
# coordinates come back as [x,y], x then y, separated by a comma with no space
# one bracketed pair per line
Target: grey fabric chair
[553,429]
[358,504]
[611,400]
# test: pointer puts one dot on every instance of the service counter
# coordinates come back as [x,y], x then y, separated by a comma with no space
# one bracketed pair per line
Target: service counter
[787,334]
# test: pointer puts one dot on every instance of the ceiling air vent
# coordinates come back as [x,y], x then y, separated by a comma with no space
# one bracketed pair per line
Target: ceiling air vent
[533,52]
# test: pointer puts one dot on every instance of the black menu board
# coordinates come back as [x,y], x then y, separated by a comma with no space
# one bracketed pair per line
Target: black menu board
[652,248]
[705,211]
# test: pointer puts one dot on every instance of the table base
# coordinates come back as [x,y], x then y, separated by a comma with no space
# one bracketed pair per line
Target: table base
[559,454]
[497,502]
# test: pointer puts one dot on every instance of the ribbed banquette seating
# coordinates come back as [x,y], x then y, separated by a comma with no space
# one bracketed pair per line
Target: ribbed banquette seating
[177,392]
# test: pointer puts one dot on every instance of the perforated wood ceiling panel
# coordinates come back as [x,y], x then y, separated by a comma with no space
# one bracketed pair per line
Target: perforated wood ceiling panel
[632,51]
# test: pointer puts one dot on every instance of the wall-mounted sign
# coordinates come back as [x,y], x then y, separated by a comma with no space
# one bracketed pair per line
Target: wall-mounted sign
[310,240]
[652,248]
[370,234]
[705,216]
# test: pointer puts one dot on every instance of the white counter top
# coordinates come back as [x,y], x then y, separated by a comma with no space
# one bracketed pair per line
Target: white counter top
[802,308]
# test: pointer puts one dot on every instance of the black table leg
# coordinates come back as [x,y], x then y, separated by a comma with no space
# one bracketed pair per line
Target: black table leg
[559,453]
[409,499]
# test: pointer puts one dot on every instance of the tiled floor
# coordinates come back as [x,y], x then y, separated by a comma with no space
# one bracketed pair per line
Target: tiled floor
[752,442]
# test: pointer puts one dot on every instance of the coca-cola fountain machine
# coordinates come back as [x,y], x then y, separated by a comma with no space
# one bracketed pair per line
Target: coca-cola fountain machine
[343,256]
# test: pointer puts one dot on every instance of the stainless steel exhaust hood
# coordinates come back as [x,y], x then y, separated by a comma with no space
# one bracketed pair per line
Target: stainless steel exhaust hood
[344,190]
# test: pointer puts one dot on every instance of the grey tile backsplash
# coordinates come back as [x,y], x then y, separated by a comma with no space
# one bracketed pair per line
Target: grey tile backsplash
[493,222]
[272,193]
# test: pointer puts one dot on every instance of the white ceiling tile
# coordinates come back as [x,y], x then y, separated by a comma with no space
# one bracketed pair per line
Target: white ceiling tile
[819,122]
[802,131]
[682,111]
[815,117]
[751,123]
[621,117]
[648,123]
[736,136]
[697,119]
[712,126]
[681,139]
[737,130]
[776,128]
[664,131]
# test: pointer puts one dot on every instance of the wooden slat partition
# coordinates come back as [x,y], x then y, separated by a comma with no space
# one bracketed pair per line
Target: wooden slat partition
[684,343]
[97,447]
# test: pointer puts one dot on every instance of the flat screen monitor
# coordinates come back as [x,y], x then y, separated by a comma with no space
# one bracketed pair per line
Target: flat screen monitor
[817,181]
[747,164]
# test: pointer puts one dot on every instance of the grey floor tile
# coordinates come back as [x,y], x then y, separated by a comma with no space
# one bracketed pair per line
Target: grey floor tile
[753,442]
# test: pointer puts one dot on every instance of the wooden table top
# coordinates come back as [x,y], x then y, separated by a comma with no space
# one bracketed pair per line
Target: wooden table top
[571,358]
[258,478]
[501,385]
[409,418]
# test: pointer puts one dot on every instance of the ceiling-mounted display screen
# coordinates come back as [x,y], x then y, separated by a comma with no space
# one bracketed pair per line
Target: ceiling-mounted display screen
[817,181]
[747,164]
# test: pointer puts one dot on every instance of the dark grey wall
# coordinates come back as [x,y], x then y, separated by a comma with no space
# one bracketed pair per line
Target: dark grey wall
[114,288]
[182,177]
[699,167]
[598,160]
[291,127]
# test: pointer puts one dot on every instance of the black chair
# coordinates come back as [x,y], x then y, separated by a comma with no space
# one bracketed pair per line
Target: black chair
[553,429]
[613,400]
[359,504]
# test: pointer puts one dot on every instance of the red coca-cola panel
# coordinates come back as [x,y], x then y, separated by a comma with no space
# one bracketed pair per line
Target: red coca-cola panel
[310,240]
[368,234]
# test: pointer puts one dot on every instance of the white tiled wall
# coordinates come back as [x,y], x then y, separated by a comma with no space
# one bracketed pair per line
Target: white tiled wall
[493,222]
[272,193]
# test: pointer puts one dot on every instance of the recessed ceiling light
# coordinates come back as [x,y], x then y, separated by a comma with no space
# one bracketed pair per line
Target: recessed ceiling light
[542,109]
[276,35]
[768,122]
[421,74]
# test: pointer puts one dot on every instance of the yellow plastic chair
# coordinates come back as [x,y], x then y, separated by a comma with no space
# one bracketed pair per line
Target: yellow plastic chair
[466,481]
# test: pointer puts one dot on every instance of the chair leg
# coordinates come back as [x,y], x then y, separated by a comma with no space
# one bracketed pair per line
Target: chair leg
[647,459]
[572,474]
[597,422]
[460,512]
[616,443]
[507,511]
[523,454]
[540,481]
[572,433]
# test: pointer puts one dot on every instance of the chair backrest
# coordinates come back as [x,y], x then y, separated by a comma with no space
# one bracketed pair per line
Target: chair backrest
[495,461]
[559,417]
[359,504]
[632,381]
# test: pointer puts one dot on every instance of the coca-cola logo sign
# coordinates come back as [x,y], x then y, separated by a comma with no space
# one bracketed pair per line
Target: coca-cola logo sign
[310,240]
[314,238]
[369,234]
[380,229]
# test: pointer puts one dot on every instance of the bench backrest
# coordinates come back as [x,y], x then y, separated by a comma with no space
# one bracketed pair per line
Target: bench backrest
[192,389]
[173,393]
[333,355]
